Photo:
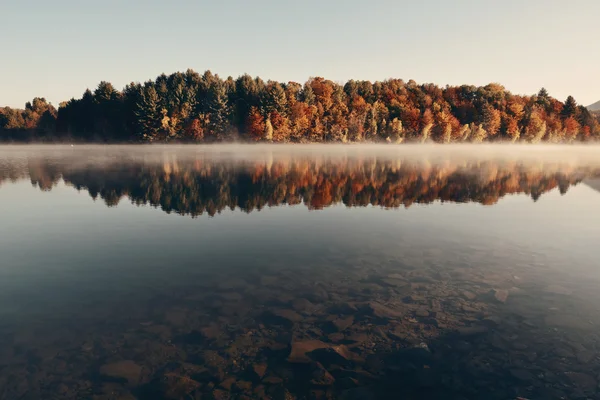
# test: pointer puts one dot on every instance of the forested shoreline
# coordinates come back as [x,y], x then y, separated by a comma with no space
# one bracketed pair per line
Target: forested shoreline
[192,107]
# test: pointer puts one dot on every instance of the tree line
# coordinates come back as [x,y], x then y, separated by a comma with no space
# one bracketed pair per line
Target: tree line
[193,107]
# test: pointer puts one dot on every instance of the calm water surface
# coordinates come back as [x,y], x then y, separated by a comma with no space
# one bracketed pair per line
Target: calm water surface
[315,272]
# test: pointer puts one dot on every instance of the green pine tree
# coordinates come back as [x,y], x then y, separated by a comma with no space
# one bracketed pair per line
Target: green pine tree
[148,114]
[570,108]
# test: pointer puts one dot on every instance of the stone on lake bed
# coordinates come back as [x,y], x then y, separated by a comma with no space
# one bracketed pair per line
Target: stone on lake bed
[260,369]
[567,321]
[302,305]
[413,299]
[500,295]
[421,312]
[232,296]
[300,348]
[472,330]
[556,289]
[583,381]
[343,308]
[492,321]
[269,280]
[358,337]
[288,315]
[468,295]
[273,380]
[563,352]
[244,386]
[421,279]
[228,383]
[469,309]
[397,276]
[219,394]
[126,369]
[395,282]
[211,331]
[338,355]
[519,346]
[347,383]
[175,386]
[320,376]
[346,353]
[463,346]
[521,374]
[176,317]
[361,393]
[385,312]
[585,357]
[342,324]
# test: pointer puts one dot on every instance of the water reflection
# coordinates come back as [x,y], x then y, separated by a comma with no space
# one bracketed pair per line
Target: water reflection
[207,185]
[353,303]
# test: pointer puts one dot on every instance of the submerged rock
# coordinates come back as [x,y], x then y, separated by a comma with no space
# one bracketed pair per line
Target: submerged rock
[567,321]
[394,282]
[212,331]
[227,383]
[385,312]
[302,305]
[468,295]
[287,314]
[320,376]
[362,393]
[273,380]
[243,386]
[127,370]
[500,295]
[336,337]
[521,374]
[231,296]
[300,348]
[219,394]
[175,386]
[342,324]
[585,382]
[421,312]
[472,330]
[260,369]
[585,356]
[557,289]
[346,353]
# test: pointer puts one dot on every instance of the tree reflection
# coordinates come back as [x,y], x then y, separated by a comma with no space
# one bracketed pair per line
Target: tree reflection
[205,186]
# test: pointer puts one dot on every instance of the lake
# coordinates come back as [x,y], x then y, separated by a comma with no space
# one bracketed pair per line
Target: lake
[299,272]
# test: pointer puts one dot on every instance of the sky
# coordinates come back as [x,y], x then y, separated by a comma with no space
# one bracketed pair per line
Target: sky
[57,49]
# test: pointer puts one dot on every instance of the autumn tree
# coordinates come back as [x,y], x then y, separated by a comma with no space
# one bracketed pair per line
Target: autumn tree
[492,120]
[255,124]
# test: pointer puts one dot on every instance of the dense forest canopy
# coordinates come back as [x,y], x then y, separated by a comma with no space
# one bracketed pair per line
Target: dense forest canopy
[190,107]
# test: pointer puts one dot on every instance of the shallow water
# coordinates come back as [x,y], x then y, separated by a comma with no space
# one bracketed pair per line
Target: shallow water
[318,272]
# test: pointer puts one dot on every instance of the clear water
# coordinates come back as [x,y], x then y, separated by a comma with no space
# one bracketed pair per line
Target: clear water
[309,272]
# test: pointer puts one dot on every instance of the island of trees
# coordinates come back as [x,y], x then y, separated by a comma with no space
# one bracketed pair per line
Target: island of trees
[193,107]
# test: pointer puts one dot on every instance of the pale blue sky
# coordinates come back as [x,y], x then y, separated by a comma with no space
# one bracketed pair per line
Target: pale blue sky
[57,49]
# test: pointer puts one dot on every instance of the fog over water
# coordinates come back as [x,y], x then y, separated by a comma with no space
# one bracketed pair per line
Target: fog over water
[299,272]
[556,152]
